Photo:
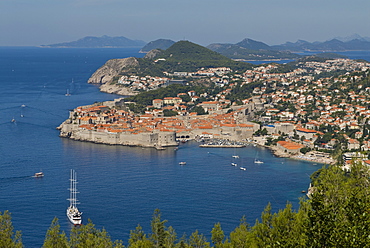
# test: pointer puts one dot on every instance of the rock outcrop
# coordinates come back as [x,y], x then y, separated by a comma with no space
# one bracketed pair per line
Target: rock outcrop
[110,69]
[152,53]
[117,89]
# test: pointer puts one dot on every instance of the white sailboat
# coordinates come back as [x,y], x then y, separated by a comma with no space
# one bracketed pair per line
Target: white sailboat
[257,161]
[73,214]
[68,93]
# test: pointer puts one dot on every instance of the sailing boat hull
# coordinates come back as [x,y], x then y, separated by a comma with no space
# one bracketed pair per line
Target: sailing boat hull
[74,216]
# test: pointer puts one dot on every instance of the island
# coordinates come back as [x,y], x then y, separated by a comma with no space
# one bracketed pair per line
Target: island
[98,42]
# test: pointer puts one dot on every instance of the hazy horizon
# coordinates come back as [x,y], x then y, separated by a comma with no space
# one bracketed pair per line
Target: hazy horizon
[42,22]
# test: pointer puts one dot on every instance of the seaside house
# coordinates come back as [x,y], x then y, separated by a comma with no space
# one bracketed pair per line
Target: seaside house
[289,147]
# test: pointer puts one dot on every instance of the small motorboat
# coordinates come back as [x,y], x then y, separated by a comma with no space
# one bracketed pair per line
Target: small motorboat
[39,174]
[182,163]
[243,168]
[234,164]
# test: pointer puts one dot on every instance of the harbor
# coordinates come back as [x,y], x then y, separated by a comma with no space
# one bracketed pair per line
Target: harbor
[219,143]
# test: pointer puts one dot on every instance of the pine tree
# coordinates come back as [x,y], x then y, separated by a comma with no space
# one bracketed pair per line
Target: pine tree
[159,232]
[217,235]
[7,237]
[54,237]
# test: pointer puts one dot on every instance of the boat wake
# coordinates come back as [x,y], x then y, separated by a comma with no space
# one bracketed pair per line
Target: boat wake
[10,179]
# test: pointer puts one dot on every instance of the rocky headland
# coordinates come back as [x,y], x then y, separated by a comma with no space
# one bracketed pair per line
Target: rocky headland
[106,74]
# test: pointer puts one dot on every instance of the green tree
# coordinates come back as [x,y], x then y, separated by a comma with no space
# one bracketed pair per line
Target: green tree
[241,236]
[262,230]
[197,240]
[88,236]
[171,237]
[217,235]
[168,112]
[7,237]
[199,110]
[182,242]
[159,232]
[138,239]
[185,98]
[339,215]
[54,237]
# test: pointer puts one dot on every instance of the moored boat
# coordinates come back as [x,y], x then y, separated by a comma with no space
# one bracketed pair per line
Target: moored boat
[73,214]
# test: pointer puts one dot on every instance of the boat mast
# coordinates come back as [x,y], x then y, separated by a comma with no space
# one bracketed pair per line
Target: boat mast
[73,189]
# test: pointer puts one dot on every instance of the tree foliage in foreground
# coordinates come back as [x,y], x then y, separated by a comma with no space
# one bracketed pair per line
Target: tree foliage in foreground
[7,237]
[336,215]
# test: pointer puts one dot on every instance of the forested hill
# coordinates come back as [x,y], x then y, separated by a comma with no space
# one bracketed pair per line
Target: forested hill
[249,49]
[182,56]
[188,56]
[157,44]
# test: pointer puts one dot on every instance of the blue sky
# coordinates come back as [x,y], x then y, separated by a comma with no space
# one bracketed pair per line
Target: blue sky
[37,22]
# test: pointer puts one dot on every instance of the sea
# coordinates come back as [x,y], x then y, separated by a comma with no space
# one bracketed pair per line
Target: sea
[119,187]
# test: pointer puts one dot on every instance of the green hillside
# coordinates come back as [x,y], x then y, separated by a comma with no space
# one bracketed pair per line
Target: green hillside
[187,56]
[183,56]
[157,44]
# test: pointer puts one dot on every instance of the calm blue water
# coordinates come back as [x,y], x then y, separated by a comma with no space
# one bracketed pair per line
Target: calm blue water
[120,186]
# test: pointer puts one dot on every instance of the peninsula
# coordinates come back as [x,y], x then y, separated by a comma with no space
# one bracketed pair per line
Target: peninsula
[313,109]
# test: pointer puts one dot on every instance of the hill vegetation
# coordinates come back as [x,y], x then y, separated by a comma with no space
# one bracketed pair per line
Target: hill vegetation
[183,56]
[249,49]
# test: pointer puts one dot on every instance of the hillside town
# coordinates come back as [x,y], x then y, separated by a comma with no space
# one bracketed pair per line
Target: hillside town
[318,106]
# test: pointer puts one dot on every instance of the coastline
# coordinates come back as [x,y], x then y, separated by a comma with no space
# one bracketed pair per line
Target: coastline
[313,156]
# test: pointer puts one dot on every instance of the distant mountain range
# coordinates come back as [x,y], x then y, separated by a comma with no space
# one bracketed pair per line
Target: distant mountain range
[100,42]
[247,49]
[334,45]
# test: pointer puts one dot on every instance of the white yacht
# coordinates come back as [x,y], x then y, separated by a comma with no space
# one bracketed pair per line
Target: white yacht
[73,214]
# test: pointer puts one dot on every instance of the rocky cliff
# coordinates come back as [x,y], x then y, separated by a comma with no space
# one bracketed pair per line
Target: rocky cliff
[112,68]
